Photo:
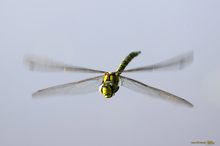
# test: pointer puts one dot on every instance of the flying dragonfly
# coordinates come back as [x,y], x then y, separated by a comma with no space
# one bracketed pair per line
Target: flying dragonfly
[109,82]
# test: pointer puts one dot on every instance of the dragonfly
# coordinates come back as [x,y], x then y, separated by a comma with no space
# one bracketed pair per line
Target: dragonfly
[109,82]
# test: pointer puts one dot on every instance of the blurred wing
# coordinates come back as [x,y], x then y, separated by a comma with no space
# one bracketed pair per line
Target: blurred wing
[145,89]
[80,87]
[176,63]
[47,65]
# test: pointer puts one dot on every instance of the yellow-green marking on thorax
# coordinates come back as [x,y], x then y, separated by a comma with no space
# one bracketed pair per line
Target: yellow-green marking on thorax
[110,83]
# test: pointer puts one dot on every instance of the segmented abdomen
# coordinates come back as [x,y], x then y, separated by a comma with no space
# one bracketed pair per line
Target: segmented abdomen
[126,61]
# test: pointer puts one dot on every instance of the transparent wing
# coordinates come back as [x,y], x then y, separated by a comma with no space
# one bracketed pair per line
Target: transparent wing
[74,88]
[145,89]
[175,63]
[47,65]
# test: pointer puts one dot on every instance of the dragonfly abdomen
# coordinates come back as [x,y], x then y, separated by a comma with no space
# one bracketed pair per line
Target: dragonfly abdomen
[126,61]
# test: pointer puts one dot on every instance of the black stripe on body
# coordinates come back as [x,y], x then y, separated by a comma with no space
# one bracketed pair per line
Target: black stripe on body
[126,61]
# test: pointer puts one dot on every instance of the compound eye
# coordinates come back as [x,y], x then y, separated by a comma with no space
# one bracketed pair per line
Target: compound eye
[106,91]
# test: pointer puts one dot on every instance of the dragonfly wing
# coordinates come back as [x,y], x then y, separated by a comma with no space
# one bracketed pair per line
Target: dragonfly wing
[145,89]
[74,88]
[35,63]
[175,63]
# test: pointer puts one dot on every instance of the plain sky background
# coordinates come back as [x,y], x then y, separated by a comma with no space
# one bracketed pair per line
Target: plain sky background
[99,34]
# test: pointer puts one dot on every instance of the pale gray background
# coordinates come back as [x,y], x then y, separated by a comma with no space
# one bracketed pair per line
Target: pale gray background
[99,34]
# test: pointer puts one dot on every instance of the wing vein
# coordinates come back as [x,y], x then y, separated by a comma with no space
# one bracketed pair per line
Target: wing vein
[175,63]
[74,88]
[47,65]
[152,91]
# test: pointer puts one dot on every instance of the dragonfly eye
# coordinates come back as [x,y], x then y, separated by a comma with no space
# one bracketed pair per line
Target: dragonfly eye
[106,90]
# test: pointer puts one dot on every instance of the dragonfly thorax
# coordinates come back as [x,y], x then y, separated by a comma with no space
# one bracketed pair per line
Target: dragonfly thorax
[109,84]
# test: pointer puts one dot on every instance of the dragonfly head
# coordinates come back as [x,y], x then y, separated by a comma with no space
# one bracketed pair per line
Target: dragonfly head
[109,85]
[106,90]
